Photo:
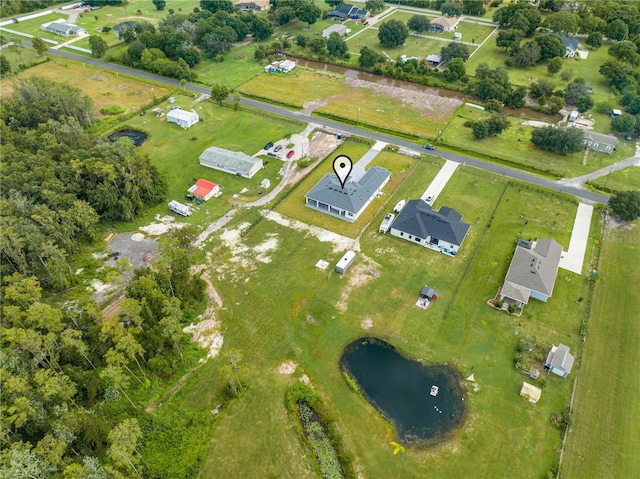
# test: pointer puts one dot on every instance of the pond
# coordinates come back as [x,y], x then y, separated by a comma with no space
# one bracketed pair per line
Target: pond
[399,388]
[137,137]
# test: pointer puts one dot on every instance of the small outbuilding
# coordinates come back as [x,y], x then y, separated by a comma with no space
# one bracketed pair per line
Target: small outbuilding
[345,262]
[234,162]
[183,118]
[338,28]
[266,183]
[204,189]
[530,392]
[559,360]
[429,293]
[434,60]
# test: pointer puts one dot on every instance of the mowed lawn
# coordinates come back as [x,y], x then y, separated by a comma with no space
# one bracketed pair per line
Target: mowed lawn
[322,312]
[604,439]
[471,31]
[627,179]
[103,86]
[514,145]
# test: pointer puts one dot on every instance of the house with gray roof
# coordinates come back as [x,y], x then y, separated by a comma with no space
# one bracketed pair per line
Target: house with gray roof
[599,142]
[339,28]
[532,272]
[60,27]
[347,203]
[570,45]
[437,230]
[234,162]
[346,11]
[559,360]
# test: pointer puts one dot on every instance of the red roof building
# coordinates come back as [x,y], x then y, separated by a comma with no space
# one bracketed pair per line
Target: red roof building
[204,189]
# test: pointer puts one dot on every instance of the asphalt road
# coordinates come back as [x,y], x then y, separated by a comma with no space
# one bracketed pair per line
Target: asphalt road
[476,163]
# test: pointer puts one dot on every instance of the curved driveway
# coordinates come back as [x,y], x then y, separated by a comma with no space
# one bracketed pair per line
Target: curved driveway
[476,163]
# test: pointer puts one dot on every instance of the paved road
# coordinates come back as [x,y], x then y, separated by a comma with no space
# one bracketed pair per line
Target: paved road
[465,160]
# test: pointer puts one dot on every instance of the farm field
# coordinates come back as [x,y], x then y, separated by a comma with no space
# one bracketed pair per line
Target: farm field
[627,179]
[322,312]
[606,408]
[514,146]
[103,86]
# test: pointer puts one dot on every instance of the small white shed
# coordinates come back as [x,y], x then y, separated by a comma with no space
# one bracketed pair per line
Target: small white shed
[183,118]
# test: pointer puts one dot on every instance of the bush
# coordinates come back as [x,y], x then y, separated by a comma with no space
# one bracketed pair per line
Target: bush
[106,29]
[511,308]
[499,304]
[112,110]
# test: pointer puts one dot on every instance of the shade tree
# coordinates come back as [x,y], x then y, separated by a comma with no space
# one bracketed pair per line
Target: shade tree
[392,33]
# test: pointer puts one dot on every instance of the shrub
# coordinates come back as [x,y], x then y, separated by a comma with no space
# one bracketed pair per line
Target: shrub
[511,308]
[106,29]
[112,110]
[499,304]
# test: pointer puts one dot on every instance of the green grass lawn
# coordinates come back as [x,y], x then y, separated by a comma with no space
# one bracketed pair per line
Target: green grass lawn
[414,46]
[470,31]
[514,146]
[606,410]
[294,205]
[27,55]
[627,179]
[175,152]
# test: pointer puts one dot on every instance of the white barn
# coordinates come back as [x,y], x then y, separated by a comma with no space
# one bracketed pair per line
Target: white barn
[234,162]
[183,118]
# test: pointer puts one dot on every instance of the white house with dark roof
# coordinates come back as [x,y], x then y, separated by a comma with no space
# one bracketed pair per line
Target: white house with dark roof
[60,27]
[347,203]
[599,142]
[570,45]
[438,230]
[234,162]
[559,360]
[532,272]
[346,12]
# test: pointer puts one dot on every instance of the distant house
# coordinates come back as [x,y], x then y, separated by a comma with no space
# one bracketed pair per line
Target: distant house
[254,6]
[532,272]
[284,66]
[434,60]
[438,230]
[204,189]
[183,118]
[346,11]
[60,27]
[570,45]
[338,28]
[599,142]
[444,24]
[234,162]
[559,360]
[349,202]
[530,392]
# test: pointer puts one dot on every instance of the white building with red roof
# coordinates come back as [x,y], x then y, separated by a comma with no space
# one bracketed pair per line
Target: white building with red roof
[204,189]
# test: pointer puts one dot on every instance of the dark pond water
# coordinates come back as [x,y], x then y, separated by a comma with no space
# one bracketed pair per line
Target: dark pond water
[137,136]
[399,388]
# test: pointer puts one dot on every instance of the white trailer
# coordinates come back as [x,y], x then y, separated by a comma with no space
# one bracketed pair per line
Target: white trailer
[179,208]
[346,261]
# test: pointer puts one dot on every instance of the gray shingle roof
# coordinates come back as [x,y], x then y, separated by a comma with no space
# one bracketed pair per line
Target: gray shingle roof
[417,218]
[561,358]
[354,195]
[227,159]
[568,42]
[600,138]
[533,269]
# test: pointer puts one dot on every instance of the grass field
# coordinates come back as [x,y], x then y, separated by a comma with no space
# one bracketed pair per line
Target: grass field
[627,179]
[471,32]
[27,55]
[606,415]
[514,145]
[104,87]
[321,313]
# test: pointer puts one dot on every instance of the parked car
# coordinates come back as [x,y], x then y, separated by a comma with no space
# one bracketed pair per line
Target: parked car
[277,148]
[429,199]
[268,145]
[190,197]
[429,147]
[291,153]
[628,137]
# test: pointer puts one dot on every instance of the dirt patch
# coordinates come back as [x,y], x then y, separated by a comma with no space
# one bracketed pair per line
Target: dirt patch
[323,144]
[288,367]
[366,323]
[262,249]
[207,334]
[165,223]
[357,276]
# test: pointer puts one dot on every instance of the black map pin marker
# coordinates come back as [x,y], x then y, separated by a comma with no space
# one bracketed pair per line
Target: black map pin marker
[342,166]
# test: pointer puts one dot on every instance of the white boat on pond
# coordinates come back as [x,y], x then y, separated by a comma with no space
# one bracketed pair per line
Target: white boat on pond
[434,390]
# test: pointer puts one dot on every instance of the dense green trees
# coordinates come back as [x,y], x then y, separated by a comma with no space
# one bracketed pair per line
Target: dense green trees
[520,16]
[626,204]
[336,46]
[455,50]
[561,140]
[492,126]
[5,65]
[369,57]
[392,33]
[419,23]
[98,45]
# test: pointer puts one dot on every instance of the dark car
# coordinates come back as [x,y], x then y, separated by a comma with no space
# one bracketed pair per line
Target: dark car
[277,148]
[291,153]
[190,197]
[429,147]
[268,145]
